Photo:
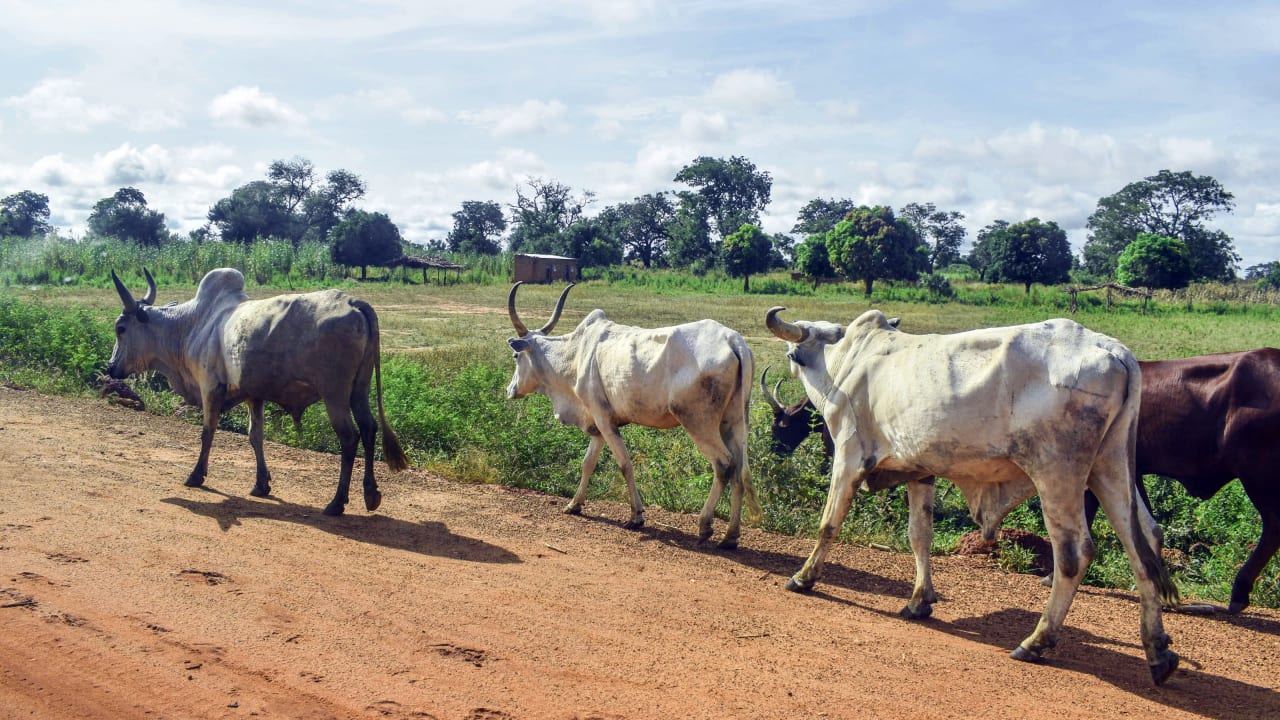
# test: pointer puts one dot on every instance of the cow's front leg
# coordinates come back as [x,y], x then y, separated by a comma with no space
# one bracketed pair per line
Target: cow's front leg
[588,467]
[920,532]
[262,484]
[614,439]
[212,404]
[839,498]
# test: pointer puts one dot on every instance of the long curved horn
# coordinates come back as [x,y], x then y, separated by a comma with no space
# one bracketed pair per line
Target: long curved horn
[125,296]
[521,330]
[783,329]
[555,316]
[764,390]
[150,297]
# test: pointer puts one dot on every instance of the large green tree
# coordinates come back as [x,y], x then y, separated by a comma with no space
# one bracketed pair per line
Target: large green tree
[982,256]
[252,211]
[689,237]
[1030,252]
[291,204]
[543,210]
[125,216]
[732,192]
[644,225]
[746,252]
[477,227]
[1169,204]
[24,214]
[818,216]
[939,229]
[1155,261]
[363,239]
[871,244]
[813,259]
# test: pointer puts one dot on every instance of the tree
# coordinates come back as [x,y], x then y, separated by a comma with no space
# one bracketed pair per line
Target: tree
[363,239]
[982,257]
[1168,204]
[871,244]
[1268,278]
[325,206]
[125,216]
[253,211]
[813,259]
[477,228]
[593,241]
[539,216]
[25,214]
[689,237]
[1155,261]
[731,192]
[1030,252]
[819,216]
[745,252]
[644,225]
[940,230]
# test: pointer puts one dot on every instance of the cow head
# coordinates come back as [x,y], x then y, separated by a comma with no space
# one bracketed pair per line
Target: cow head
[791,423]
[806,341]
[133,336]
[529,354]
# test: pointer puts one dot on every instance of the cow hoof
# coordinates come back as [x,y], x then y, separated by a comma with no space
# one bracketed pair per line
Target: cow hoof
[261,490]
[333,509]
[1236,607]
[372,500]
[1047,581]
[633,524]
[924,611]
[194,480]
[1161,671]
[728,544]
[572,509]
[796,585]
[1022,654]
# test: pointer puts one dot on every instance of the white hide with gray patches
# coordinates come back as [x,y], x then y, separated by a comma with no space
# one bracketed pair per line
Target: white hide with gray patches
[604,375]
[1048,408]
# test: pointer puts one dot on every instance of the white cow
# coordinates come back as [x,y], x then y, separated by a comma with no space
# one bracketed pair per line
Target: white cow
[221,348]
[604,375]
[1048,408]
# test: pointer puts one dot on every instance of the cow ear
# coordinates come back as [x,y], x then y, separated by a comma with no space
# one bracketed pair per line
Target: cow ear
[893,322]
[518,344]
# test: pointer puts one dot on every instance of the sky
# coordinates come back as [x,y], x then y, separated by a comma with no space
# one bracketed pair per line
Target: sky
[1000,109]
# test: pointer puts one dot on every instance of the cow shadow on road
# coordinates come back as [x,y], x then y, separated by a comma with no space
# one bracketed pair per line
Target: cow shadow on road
[427,537]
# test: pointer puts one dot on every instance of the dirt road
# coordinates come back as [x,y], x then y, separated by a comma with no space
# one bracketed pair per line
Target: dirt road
[127,595]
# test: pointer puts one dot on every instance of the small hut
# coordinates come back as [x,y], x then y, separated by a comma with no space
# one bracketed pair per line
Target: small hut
[545,268]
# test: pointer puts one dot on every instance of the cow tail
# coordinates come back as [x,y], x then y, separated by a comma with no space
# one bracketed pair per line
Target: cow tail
[392,452]
[746,379]
[1148,549]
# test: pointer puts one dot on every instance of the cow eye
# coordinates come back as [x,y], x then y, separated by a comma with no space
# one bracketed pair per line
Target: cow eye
[119,330]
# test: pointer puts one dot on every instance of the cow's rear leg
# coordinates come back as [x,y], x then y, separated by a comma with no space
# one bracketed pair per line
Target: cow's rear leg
[614,440]
[589,462]
[1267,545]
[368,438]
[920,495]
[1072,551]
[725,449]
[262,483]
[348,439]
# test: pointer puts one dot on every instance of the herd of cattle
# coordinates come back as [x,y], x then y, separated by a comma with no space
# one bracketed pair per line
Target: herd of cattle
[1050,409]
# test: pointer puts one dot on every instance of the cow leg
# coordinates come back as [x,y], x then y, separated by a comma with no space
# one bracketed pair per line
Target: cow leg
[348,439]
[839,498]
[611,436]
[262,484]
[1137,531]
[588,467]
[368,437]
[1267,545]
[212,404]
[1072,551]
[920,495]
[726,469]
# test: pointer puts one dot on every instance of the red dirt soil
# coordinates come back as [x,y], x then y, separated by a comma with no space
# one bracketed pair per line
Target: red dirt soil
[127,595]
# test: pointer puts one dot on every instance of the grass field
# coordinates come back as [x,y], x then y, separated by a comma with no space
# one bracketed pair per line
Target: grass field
[447,364]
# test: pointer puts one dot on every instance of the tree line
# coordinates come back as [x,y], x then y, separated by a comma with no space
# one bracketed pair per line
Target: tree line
[1152,233]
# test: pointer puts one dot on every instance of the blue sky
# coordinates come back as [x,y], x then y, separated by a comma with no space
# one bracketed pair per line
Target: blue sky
[1000,109]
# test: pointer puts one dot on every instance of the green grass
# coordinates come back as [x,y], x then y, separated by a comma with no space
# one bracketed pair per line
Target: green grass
[446,365]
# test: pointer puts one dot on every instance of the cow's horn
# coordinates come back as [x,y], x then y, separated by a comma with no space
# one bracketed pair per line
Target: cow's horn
[555,316]
[521,330]
[764,390]
[125,296]
[150,297]
[783,329]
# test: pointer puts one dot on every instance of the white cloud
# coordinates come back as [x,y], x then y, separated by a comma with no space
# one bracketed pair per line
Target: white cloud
[749,91]
[127,165]
[529,117]
[55,171]
[704,127]
[56,104]
[249,107]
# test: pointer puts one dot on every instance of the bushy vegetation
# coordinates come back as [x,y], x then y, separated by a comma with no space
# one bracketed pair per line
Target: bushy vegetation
[445,381]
